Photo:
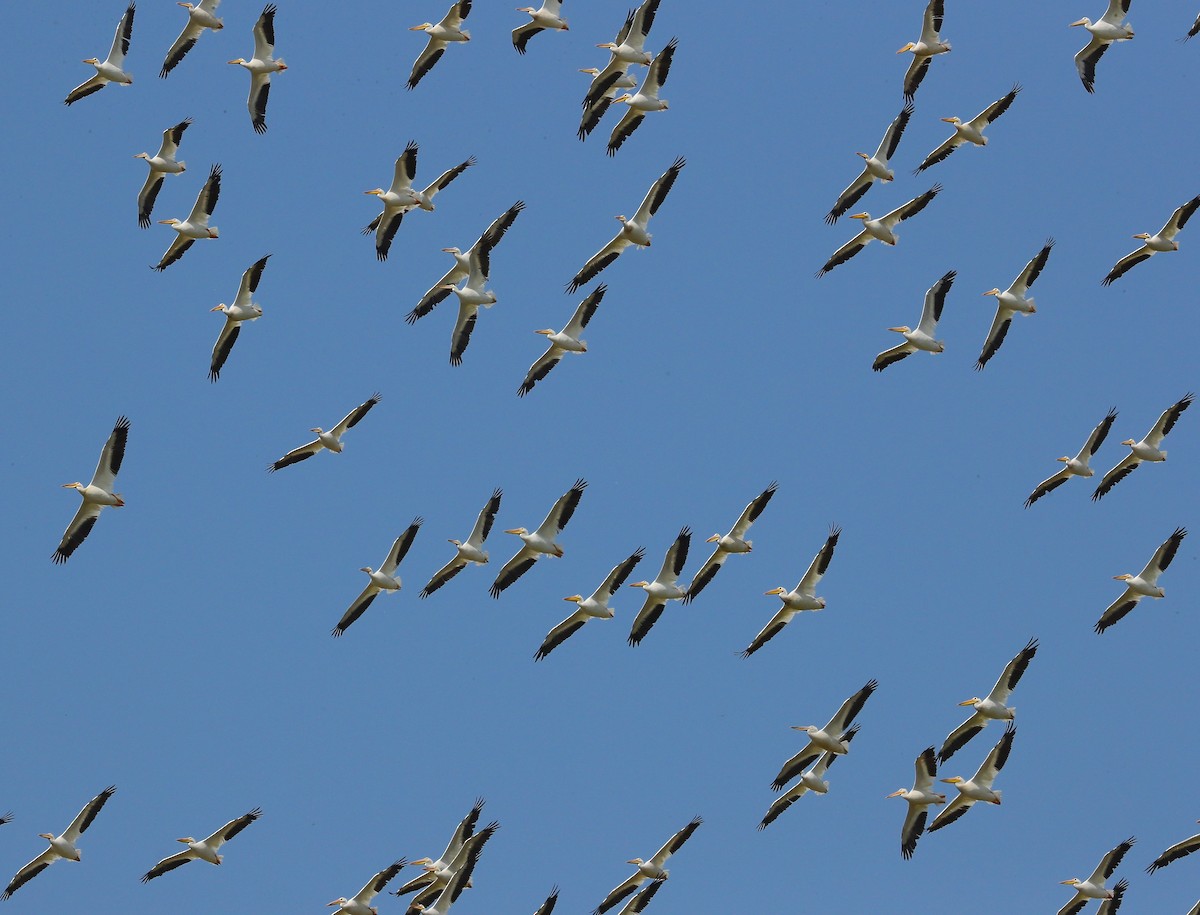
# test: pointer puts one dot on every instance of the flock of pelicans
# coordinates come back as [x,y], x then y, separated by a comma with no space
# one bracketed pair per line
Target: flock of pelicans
[443,879]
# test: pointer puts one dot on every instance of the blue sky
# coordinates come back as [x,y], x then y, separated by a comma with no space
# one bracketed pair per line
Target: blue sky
[184,653]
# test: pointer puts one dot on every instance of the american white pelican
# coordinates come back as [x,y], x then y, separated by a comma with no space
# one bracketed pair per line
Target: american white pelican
[919,798]
[923,50]
[811,780]
[196,225]
[1093,887]
[97,494]
[463,831]
[875,167]
[1076,466]
[161,164]
[1175,852]
[382,579]
[803,597]
[994,707]
[440,35]
[551,901]
[564,341]
[645,99]
[969,131]
[733,542]
[882,228]
[542,541]
[60,846]
[829,739]
[633,231]
[979,786]
[360,902]
[630,45]
[470,550]
[205,849]
[458,872]
[201,16]
[594,607]
[663,588]
[108,71]
[1163,240]
[922,338]
[1144,584]
[261,66]
[603,89]
[331,439]
[472,294]
[1012,300]
[651,869]
[639,902]
[547,16]
[1110,27]
[243,309]
[1146,450]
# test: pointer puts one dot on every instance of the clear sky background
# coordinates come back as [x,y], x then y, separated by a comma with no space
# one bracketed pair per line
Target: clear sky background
[183,653]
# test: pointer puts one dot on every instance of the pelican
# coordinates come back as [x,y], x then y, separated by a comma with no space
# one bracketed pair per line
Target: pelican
[1144,584]
[331,439]
[469,551]
[463,831]
[196,225]
[201,16]
[919,798]
[663,588]
[205,849]
[564,341]
[633,231]
[802,598]
[969,131]
[402,197]
[831,738]
[1093,887]
[551,901]
[603,89]
[921,338]
[925,48]
[458,871]
[445,897]
[548,16]
[651,869]
[1076,466]
[733,542]
[60,846]
[1163,240]
[994,707]
[541,541]
[97,494]
[108,71]
[261,66]
[882,228]
[875,167]
[630,45]
[1012,300]
[161,164]
[382,579]
[1111,27]
[979,786]
[1175,852]
[594,607]
[1145,450]
[360,903]
[243,309]
[472,294]
[645,99]
[440,35]
[812,780]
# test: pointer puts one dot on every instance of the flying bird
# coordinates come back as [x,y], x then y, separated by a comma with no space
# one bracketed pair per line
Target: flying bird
[645,99]
[627,49]
[243,309]
[1175,852]
[1163,240]
[594,607]
[803,597]
[811,780]
[969,131]
[463,831]
[261,66]
[62,846]
[1012,300]
[882,229]
[547,16]
[201,16]
[468,551]
[402,197]
[196,225]
[97,494]
[440,35]
[630,45]
[382,579]
[1144,584]
[472,294]
[360,903]
[542,541]
[1076,466]
[875,168]
[1109,28]
[651,869]
[1093,887]
[1148,449]
[331,440]
[665,587]
[458,872]
[109,70]
[919,798]
[922,338]
[924,49]
[994,707]
[726,544]
[829,739]
[205,849]
[561,342]
[979,786]
[161,164]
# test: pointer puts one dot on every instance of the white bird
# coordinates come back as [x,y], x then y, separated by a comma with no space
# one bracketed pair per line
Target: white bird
[594,607]
[108,71]
[547,16]
[733,542]
[564,341]
[882,229]
[97,494]
[919,798]
[468,551]
[457,872]
[201,16]
[402,197]
[922,338]
[994,707]
[205,849]
[196,225]
[651,869]
[440,35]
[979,786]
[472,294]
[1093,887]
[802,598]
[924,49]
[1110,27]
[645,99]
[969,131]
[630,45]
[664,587]
[1077,466]
[875,167]
[1148,449]
[243,309]
[1144,584]
[1163,240]
[360,902]
[161,164]
[382,579]
[261,66]
[811,780]
[463,831]
[633,231]
[605,85]
[1175,852]
[1012,300]
[829,739]
[542,541]
[60,846]
[331,440]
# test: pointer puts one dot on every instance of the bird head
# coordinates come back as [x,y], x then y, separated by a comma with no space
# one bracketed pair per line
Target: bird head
[635,861]
[452,250]
[898,792]
[547,331]
[423,27]
[574,598]
[366,569]
[94,61]
[952,120]
[590,70]
[1074,881]
[804,727]
[992,292]
[426,863]
[516,530]
[953,780]
[48,836]
[141,155]
[639,584]
[341,900]
[972,701]
[377,191]
[1130,442]
[713,539]
[169,222]
[863,215]
[902,329]
[186,839]
[1064,459]
[316,429]
[240,60]
[775,591]
[622,98]
[1084,22]
[456,543]
[78,486]
[221,307]
[907,47]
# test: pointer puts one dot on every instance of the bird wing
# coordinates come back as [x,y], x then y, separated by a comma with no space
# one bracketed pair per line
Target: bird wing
[81,525]
[356,609]
[460,338]
[86,88]
[548,906]
[437,293]
[206,200]
[1127,466]
[1047,485]
[351,419]
[1109,906]
[29,871]
[1097,436]
[914,75]
[443,575]
[658,192]
[1012,673]
[172,137]
[522,34]
[120,45]
[174,252]
[782,803]
[619,575]
[562,510]
[630,121]
[850,196]
[643,19]
[895,354]
[513,569]
[796,765]
[1166,422]
[111,456]
[250,280]
[169,863]
[296,455]
[1162,556]
[594,113]
[264,33]
[1130,260]
[993,111]
[639,902]
[561,633]
[958,738]
[820,562]
[913,207]
[481,251]
[850,709]
[926,770]
[1194,30]
[454,18]
[935,299]
[223,346]
[444,179]
[603,81]
[660,67]
[676,557]
[256,101]
[184,43]
[432,53]
[751,512]
[676,841]
[585,310]
[599,261]
[845,252]
[995,336]
[84,818]
[1086,59]
[951,812]
[1117,609]
[891,136]
[914,826]
[406,168]
[931,23]
[400,548]
[941,152]
[651,610]
[706,573]
[769,631]
[1175,852]
[996,758]
[1033,269]
[1111,861]
[232,828]
[483,523]
[619,892]
[376,884]
[385,226]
